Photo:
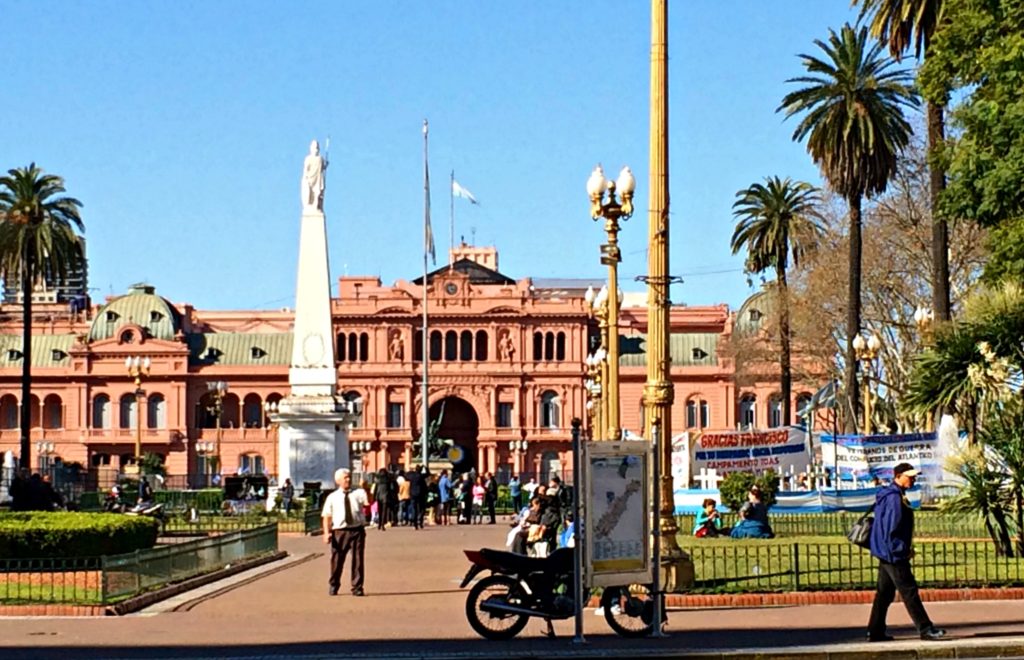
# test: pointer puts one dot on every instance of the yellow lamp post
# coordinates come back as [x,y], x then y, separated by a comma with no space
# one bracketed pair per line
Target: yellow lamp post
[604,204]
[867,351]
[217,389]
[924,319]
[593,386]
[138,368]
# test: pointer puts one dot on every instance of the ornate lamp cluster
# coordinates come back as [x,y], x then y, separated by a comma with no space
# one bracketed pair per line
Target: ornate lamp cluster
[867,350]
[138,368]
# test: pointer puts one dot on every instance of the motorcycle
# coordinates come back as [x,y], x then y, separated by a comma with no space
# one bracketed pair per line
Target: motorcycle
[499,606]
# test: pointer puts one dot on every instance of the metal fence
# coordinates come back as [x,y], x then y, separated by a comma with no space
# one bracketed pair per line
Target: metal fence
[927,524]
[773,566]
[106,580]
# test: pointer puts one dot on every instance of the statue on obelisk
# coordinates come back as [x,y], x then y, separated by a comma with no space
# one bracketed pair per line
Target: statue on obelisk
[313,179]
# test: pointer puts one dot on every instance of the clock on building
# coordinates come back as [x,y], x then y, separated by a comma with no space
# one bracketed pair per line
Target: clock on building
[451,288]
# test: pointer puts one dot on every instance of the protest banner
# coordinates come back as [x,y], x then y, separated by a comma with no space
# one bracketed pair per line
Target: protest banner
[866,458]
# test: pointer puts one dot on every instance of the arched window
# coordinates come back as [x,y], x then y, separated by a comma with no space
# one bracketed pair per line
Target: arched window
[364,347]
[53,412]
[451,346]
[466,346]
[417,347]
[775,411]
[273,400]
[538,346]
[9,411]
[251,463]
[549,346]
[436,343]
[252,411]
[352,395]
[99,460]
[230,411]
[127,411]
[560,346]
[549,410]
[206,415]
[691,414]
[35,408]
[353,347]
[342,343]
[101,412]
[803,409]
[748,409]
[156,411]
[705,415]
[481,345]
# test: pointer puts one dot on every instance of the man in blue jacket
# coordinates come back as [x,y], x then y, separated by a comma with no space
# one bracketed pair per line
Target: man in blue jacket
[892,536]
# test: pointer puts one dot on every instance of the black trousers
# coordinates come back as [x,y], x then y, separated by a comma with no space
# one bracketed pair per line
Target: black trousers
[343,540]
[892,578]
[490,508]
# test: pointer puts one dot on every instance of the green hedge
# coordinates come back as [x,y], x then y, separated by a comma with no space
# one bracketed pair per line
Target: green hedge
[65,534]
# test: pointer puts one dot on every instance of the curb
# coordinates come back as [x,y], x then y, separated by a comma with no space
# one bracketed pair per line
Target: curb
[834,597]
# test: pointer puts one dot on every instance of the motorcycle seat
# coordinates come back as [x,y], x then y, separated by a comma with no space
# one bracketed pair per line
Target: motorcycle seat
[559,561]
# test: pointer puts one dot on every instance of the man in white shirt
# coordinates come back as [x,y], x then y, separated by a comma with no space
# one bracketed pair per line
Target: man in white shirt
[345,529]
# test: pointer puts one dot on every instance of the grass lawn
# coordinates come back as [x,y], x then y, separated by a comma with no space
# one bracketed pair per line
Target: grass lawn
[831,563]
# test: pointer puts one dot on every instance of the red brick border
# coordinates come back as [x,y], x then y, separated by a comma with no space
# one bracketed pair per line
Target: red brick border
[833,597]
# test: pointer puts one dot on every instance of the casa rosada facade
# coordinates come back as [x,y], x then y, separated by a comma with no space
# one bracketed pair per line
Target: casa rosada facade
[506,373]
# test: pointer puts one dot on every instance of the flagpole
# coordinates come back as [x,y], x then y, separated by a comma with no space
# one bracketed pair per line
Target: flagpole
[451,221]
[427,238]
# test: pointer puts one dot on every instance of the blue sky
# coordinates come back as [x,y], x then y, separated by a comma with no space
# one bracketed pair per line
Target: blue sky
[182,127]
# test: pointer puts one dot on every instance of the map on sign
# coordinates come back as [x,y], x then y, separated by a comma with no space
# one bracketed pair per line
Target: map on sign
[617,508]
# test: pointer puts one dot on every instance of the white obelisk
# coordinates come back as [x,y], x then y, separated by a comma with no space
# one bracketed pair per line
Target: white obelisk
[313,421]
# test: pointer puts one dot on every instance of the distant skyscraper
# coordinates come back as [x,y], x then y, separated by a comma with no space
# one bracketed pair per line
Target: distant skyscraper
[74,290]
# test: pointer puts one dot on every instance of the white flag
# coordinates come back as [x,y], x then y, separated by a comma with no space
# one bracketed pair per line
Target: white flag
[459,191]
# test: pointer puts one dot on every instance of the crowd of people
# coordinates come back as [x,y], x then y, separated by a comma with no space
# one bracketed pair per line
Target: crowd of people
[34,492]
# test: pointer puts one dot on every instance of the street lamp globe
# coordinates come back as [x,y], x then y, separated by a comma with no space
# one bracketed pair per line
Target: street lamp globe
[858,343]
[596,184]
[874,343]
[589,295]
[626,184]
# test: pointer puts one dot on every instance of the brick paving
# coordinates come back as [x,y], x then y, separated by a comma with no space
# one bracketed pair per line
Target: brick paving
[414,608]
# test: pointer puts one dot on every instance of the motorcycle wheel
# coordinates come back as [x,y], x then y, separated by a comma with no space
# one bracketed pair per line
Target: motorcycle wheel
[629,610]
[491,625]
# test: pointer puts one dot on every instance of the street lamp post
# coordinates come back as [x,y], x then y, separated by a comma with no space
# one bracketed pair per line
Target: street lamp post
[217,389]
[924,319]
[137,369]
[867,351]
[611,210]
[594,386]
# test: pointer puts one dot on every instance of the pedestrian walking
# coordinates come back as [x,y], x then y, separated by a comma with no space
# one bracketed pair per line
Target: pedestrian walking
[479,492]
[344,524]
[515,490]
[892,535]
[490,495]
[287,494]
[444,491]
[382,495]
[404,500]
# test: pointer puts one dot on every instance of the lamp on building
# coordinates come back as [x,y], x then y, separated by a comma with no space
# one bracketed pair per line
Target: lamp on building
[608,207]
[44,450]
[866,351]
[217,390]
[138,367]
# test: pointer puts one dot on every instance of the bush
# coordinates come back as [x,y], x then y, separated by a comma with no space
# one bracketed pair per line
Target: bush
[39,534]
[736,485]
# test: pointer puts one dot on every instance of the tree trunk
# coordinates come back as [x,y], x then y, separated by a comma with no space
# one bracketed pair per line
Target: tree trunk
[940,230]
[1018,501]
[25,461]
[785,357]
[853,315]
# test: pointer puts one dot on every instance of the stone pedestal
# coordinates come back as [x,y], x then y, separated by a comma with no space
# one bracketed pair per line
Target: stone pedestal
[313,438]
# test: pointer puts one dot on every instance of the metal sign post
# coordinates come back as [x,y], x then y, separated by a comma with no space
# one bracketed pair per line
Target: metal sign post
[578,543]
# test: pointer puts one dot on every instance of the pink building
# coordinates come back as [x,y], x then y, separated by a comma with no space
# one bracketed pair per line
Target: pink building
[506,364]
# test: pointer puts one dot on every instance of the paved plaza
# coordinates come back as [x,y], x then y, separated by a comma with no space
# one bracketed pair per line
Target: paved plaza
[414,608]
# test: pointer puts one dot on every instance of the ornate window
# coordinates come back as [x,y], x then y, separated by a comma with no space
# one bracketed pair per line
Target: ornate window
[538,346]
[691,414]
[775,411]
[53,412]
[705,415]
[364,347]
[466,346]
[451,346]
[549,346]
[101,411]
[560,346]
[436,341]
[550,410]
[128,411]
[481,345]
[156,411]
[252,411]
[396,415]
[250,464]
[748,409]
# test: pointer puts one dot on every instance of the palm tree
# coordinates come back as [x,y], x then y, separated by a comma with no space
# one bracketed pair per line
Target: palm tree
[778,222]
[853,120]
[902,24]
[37,238]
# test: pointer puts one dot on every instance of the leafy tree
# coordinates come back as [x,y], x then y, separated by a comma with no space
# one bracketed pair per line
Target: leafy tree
[37,238]
[1004,433]
[736,485]
[778,223]
[852,105]
[903,24]
[977,58]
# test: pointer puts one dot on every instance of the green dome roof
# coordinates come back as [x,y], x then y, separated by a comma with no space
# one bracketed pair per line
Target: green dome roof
[140,306]
[752,313]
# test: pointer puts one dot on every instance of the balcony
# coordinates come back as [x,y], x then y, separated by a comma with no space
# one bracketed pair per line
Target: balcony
[234,434]
[127,436]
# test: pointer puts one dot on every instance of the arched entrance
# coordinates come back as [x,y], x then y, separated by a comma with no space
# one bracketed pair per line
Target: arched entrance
[461,424]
